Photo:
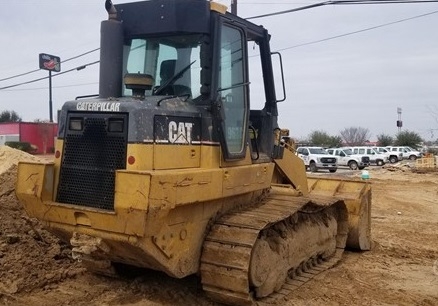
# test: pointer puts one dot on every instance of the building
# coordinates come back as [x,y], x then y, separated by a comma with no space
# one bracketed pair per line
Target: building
[40,135]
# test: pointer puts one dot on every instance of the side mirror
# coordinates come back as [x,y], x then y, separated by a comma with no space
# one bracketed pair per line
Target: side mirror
[280,64]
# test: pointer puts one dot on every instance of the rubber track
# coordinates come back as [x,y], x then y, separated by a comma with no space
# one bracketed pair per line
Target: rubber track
[227,250]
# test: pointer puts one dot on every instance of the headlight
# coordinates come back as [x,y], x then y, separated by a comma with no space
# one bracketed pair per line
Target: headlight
[76,124]
[115,125]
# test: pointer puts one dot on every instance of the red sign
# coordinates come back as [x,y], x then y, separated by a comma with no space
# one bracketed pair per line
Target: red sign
[50,62]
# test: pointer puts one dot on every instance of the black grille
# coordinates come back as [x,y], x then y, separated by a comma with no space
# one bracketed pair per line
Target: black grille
[328,160]
[90,158]
[365,159]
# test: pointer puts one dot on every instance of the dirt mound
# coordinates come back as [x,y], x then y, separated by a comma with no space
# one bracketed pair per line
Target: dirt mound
[10,157]
[30,257]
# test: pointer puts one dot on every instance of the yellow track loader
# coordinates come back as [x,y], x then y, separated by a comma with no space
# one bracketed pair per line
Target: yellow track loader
[169,168]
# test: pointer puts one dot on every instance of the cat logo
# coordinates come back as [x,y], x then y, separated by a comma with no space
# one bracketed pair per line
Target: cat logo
[180,132]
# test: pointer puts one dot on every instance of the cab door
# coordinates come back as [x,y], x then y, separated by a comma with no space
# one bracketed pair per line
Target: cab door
[231,102]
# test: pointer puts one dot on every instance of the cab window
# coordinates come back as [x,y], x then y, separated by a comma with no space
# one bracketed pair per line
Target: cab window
[172,63]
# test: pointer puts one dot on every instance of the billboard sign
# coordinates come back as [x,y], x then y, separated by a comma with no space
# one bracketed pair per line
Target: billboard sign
[50,62]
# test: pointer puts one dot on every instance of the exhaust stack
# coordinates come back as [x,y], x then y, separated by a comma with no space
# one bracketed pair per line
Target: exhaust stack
[111,54]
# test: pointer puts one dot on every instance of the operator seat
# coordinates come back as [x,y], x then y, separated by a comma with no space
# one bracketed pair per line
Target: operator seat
[167,71]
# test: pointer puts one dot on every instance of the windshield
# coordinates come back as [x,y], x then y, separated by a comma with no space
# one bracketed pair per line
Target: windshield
[172,62]
[317,151]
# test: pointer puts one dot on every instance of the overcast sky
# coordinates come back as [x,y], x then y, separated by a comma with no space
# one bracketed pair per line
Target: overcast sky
[355,80]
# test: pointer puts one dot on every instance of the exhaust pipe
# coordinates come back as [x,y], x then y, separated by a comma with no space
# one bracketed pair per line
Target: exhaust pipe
[111,54]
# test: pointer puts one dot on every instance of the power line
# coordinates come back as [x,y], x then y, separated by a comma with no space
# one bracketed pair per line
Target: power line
[341,2]
[39,79]
[271,3]
[45,88]
[351,33]
[384,1]
[19,75]
[292,10]
[346,2]
[77,56]
[358,31]
[289,2]
[32,71]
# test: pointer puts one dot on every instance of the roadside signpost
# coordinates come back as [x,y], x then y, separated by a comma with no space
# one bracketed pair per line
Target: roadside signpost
[50,63]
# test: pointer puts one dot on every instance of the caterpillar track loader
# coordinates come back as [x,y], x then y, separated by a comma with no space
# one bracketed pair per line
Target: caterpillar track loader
[170,168]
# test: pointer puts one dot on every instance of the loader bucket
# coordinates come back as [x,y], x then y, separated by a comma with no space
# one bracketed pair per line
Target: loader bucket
[357,198]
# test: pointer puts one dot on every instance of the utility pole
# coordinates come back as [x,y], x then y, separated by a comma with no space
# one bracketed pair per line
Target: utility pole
[234,7]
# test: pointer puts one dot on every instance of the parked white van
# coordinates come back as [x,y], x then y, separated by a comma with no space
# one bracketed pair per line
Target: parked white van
[375,157]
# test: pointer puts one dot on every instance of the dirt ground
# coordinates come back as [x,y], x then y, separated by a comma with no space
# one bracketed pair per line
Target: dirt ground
[401,269]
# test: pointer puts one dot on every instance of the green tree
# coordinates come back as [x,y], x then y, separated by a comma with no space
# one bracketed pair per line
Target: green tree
[9,116]
[336,141]
[408,138]
[323,139]
[355,136]
[384,140]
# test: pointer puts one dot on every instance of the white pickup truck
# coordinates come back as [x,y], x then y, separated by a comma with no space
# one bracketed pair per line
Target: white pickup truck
[316,158]
[346,157]
[393,156]
[406,152]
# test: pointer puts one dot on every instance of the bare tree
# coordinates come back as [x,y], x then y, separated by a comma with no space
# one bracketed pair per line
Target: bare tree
[355,136]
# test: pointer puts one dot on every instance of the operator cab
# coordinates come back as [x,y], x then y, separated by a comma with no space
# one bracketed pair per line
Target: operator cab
[192,51]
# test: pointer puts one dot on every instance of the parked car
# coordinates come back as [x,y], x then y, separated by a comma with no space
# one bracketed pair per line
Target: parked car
[375,157]
[316,158]
[346,157]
